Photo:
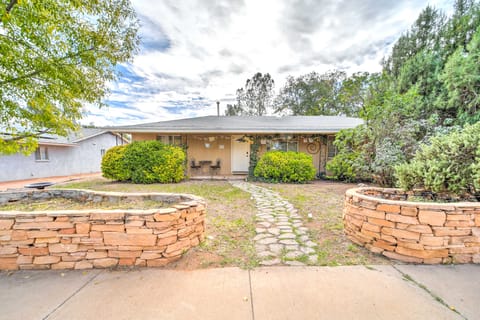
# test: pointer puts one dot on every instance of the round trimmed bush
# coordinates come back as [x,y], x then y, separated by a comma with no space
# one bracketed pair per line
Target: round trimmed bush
[145,162]
[113,166]
[280,166]
[153,161]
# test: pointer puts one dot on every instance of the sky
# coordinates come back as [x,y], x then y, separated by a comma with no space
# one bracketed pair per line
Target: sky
[194,53]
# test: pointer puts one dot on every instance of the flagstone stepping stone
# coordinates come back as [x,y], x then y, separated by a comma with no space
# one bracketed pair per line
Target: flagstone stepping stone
[270,262]
[287,236]
[267,241]
[276,248]
[293,254]
[274,231]
[288,242]
[279,228]
[295,263]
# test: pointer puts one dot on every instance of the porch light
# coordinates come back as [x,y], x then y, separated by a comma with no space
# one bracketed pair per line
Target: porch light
[207,145]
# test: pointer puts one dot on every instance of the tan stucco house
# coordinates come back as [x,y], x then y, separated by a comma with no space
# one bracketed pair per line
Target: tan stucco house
[220,145]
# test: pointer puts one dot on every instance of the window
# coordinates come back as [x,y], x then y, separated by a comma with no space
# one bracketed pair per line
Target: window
[284,145]
[171,140]
[332,150]
[41,154]
[102,152]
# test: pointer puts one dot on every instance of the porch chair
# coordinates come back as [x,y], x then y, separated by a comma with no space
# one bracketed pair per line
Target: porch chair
[215,167]
[193,165]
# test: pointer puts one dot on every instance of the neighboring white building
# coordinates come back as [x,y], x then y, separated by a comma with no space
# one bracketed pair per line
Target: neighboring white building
[78,153]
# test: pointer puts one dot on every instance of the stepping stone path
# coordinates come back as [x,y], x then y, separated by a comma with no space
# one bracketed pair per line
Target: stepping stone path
[280,237]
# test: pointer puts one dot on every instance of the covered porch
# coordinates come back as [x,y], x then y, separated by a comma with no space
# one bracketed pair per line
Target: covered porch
[227,156]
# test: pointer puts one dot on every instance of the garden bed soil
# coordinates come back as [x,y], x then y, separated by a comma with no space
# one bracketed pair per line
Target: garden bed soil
[71,204]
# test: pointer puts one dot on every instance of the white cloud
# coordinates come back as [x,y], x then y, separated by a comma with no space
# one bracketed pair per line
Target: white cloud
[194,53]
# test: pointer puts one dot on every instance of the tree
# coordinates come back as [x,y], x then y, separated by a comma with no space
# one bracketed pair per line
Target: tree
[461,77]
[233,110]
[331,93]
[256,98]
[56,56]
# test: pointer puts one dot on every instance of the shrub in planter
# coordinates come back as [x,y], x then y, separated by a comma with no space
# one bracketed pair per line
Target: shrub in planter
[113,166]
[448,164]
[280,166]
[153,161]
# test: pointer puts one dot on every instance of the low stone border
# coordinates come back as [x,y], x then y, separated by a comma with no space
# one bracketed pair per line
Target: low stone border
[84,239]
[417,232]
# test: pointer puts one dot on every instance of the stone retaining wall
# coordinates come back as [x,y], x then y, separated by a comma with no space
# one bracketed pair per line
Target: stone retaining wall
[84,239]
[417,232]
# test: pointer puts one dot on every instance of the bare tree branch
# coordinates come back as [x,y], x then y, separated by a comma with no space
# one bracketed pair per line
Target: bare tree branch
[26,135]
[10,5]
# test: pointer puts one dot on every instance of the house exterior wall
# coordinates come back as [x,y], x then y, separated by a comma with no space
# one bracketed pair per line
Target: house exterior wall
[144,136]
[85,157]
[220,147]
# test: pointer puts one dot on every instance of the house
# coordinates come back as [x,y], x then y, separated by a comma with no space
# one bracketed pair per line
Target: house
[220,145]
[80,152]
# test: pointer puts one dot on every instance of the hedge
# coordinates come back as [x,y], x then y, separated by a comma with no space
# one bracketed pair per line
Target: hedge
[280,166]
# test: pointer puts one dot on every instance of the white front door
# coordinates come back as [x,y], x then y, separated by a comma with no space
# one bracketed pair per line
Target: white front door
[240,155]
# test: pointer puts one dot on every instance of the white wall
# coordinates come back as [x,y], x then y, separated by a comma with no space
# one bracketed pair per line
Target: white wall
[83,158]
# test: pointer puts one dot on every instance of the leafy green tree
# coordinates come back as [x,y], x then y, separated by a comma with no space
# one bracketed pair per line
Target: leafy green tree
[331,93]
[311,94]
[233,110]
[255,99]
[461,77]
[56,56]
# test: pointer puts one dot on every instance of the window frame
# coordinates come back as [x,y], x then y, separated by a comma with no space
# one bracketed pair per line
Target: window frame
[170,139]
[42,156]
[285,145]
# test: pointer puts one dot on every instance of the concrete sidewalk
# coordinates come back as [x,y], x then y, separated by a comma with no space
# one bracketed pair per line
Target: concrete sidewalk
[356,292]
[18,184]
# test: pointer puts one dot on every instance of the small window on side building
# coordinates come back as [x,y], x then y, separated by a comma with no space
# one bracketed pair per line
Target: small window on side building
[41,154]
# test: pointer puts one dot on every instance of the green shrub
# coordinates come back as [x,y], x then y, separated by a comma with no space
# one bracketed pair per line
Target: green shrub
[342,166]
[153,161]
[144,162]
[449,164]
[279,166]
[113,166]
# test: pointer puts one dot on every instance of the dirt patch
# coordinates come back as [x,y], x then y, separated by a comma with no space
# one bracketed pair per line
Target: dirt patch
[71,204]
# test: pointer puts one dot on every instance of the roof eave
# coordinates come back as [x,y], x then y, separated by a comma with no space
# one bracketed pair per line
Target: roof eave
[236,131]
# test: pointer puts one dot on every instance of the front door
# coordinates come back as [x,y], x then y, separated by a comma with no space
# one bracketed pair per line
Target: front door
[240,155]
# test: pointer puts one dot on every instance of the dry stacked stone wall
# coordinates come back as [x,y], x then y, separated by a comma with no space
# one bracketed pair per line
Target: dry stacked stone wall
[416,232]
[84,239]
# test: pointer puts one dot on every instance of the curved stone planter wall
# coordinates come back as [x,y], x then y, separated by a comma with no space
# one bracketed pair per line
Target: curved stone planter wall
[416,232]
[83,239]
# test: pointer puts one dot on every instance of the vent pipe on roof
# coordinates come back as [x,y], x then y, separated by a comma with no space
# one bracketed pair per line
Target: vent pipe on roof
[218,108]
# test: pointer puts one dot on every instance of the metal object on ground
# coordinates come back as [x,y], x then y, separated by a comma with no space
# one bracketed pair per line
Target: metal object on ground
[39,185]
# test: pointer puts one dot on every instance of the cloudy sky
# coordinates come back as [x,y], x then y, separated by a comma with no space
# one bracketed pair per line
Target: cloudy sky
[194,53]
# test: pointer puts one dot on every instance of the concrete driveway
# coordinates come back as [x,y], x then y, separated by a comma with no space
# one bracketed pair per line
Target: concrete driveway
[355,292]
